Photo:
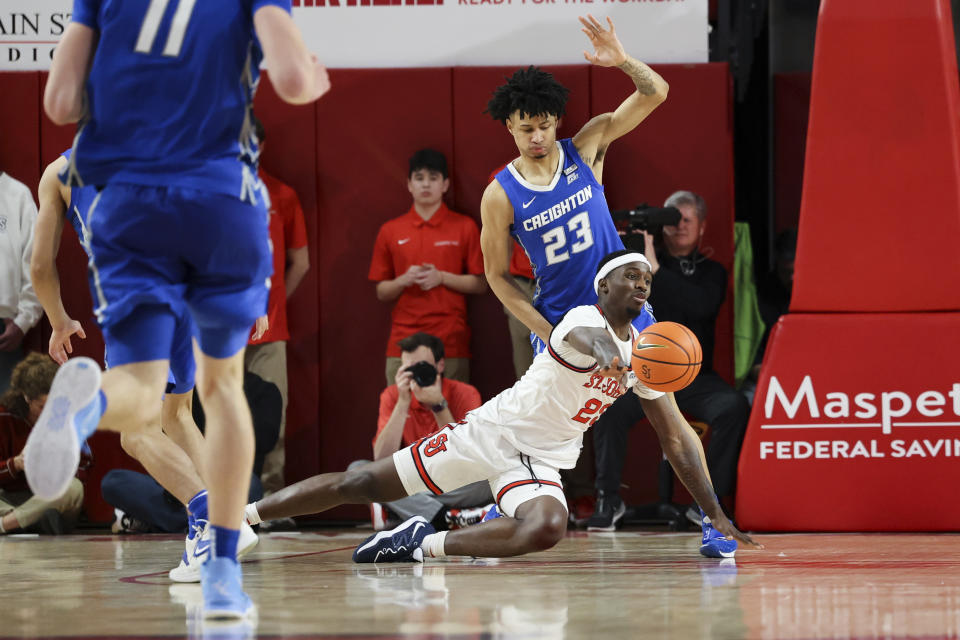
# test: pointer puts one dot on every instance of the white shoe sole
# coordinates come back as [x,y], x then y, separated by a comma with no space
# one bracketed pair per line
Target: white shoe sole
[52,452]
[191,572]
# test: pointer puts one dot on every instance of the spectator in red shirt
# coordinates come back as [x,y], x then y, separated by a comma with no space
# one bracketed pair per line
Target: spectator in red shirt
[426,260]
[409,412]
[266,353]
[522,272]
[20,406]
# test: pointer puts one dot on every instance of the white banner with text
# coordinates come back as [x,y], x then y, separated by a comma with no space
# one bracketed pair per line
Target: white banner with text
[424,33]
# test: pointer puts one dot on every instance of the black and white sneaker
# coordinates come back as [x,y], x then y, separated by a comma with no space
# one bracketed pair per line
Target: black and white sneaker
[609,512]
[401,544]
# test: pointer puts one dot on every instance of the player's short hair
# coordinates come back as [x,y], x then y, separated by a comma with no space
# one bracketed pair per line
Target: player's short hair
[531,91]
[429,159]
[690,198]
[30,379]
[421,339]
[258,129]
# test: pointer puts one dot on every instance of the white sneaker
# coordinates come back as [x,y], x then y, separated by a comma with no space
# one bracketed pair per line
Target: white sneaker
[197,550]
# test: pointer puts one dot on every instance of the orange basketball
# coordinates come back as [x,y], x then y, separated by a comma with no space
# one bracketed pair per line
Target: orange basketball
[666,356]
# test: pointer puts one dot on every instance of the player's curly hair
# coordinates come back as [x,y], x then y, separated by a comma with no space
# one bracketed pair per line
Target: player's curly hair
[531,91]
[31,378]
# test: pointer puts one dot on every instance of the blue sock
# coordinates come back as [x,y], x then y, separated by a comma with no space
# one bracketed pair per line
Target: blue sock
[224,542]
[88,417]
[196,510]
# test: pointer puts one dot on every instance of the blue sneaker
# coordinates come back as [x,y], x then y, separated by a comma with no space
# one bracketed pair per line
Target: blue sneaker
[714,544]
[492,513]
[401,544]
[223,596]
[71,414]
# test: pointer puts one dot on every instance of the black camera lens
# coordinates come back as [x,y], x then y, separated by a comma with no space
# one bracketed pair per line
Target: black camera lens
[424,373]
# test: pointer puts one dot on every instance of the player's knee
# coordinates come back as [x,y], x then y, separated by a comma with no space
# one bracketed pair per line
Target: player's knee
[358,485]
[214,389]
[548,530]
[133,442]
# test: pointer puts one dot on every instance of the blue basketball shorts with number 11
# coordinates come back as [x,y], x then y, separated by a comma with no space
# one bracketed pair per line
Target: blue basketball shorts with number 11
[159,253]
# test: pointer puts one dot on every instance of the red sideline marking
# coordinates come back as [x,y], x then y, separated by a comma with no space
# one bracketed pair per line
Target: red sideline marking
[139,579]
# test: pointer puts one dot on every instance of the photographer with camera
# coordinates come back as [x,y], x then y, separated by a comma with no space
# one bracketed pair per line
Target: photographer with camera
[420,402]
[689,288]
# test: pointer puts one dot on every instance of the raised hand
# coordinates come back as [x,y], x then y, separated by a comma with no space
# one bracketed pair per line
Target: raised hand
[608,52]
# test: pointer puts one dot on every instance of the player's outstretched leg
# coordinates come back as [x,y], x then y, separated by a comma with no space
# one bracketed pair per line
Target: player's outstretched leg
[73,409]
[713,544]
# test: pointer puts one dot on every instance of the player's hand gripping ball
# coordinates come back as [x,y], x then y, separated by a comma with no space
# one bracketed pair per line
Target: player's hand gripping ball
[666,356]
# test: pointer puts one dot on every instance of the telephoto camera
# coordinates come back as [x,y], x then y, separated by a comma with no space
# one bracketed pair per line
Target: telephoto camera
[424,373]
[643,217]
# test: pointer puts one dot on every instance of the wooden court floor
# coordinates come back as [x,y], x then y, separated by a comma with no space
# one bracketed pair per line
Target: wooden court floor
[630,584]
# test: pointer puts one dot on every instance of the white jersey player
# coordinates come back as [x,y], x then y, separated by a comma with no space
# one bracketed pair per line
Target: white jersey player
[518,441]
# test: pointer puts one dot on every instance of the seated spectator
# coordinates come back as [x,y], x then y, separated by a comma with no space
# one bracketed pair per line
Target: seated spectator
[19,308]
[140,501]
[20,406]
[688,288]
[421,401]
[426,261]
[773,295]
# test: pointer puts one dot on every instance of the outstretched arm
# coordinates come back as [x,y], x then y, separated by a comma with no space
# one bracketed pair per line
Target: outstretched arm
[496,213]
[595,136]
[43,261]
[681,446]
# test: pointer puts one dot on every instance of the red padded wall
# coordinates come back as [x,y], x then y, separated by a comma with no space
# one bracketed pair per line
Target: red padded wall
[882,178]
[19,114]
[791,106]
[687,143]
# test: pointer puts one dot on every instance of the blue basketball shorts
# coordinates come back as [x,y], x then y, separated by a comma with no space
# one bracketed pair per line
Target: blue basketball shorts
[171,263]
[181,376]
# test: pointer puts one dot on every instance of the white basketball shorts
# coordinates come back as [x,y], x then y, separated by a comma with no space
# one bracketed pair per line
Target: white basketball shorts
[469,451]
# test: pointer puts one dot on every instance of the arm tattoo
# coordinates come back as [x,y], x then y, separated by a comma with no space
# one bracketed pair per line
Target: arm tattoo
[641,74]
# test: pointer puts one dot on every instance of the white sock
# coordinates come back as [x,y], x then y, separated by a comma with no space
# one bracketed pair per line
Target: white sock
[432,545]
[250,513]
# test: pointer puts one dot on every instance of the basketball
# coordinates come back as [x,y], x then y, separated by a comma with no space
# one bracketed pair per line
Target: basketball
[666,356]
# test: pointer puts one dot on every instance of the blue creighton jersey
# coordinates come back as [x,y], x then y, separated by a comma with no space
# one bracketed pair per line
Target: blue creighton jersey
[565,228]
[169,95]
[80,200]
